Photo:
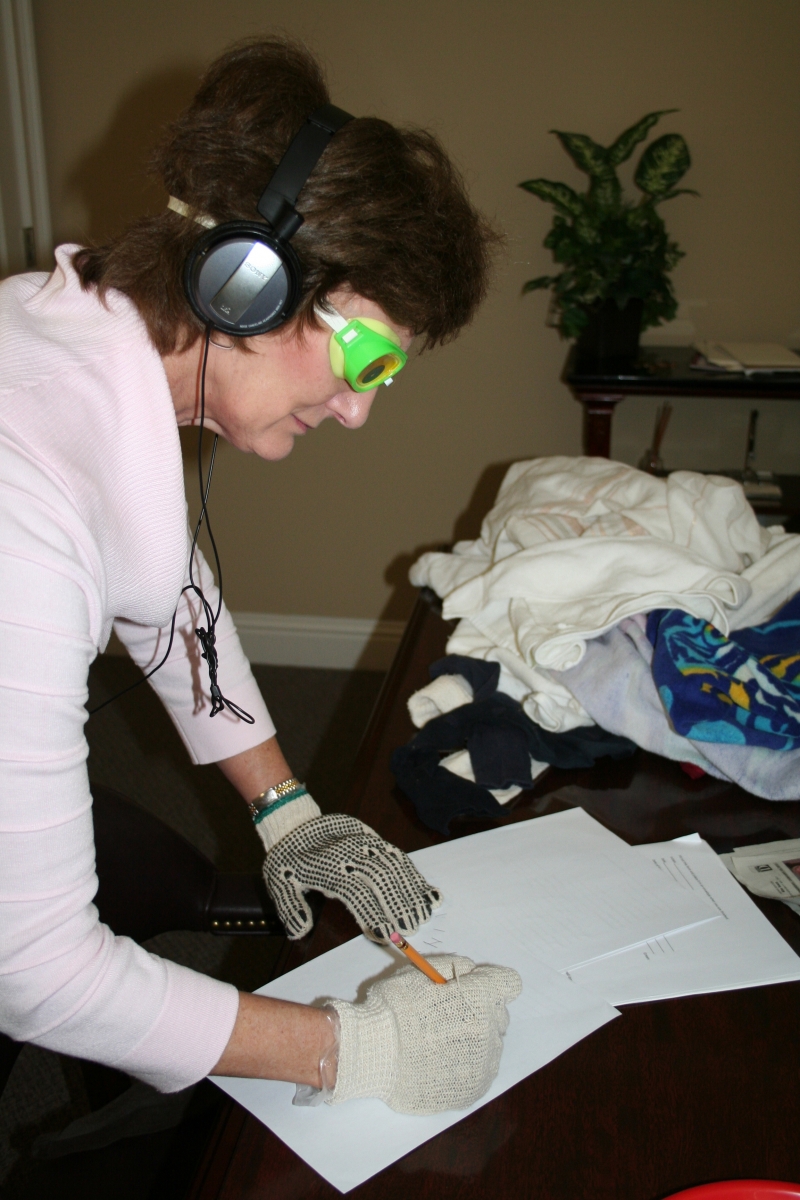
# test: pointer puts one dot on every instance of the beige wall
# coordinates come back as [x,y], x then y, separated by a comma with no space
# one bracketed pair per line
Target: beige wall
[332,529]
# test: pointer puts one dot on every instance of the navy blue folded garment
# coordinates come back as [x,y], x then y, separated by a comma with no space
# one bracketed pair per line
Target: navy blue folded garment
[743,689]
[501,740]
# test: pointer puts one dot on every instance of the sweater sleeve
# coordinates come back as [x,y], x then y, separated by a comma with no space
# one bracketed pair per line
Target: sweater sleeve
[182,683]
[66,982]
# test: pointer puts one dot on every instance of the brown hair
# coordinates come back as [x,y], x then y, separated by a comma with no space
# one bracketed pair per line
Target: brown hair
[385,211]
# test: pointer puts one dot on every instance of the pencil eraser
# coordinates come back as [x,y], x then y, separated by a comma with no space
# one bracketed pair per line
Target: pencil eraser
[395,937]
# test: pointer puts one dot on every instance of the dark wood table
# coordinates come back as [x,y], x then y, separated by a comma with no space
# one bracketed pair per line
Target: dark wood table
[661,371]
[672,1094]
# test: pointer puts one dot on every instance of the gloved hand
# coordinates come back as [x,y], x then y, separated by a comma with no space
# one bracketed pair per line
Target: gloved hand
[346,860]
[423,1047]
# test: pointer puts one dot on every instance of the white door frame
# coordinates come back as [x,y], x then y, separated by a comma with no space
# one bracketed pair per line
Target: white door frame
[26,239]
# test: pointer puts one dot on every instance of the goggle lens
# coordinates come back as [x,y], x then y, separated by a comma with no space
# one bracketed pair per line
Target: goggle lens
[379,370]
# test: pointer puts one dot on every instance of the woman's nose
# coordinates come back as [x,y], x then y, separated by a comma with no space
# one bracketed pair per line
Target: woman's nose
[351,408]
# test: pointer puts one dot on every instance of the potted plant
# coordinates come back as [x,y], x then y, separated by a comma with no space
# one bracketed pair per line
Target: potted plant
[616,253]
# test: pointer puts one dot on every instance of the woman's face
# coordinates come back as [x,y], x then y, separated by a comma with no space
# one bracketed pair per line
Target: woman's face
[261,401]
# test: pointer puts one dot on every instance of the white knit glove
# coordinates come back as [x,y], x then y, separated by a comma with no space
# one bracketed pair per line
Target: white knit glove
[343,858]
[423,1047]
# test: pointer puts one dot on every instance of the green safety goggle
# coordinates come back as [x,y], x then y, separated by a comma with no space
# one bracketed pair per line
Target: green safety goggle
[363,351]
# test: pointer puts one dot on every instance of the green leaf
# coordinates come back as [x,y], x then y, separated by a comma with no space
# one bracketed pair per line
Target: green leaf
[586,230]
[664,162]
[559,194]
[626,143]
[542,281]
[605,192]
[586,154]
[678,192]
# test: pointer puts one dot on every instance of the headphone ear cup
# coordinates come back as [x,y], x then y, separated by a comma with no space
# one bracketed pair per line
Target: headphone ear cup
[242,280]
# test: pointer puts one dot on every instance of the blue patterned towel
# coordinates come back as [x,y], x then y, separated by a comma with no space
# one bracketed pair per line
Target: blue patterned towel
[743,689]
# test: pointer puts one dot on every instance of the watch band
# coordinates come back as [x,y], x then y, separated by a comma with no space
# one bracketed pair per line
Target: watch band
[281,791]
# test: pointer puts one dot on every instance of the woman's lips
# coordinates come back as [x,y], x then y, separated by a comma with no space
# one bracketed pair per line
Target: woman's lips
[303,427]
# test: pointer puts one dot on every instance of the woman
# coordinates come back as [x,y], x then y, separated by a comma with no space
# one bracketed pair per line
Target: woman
[102,362]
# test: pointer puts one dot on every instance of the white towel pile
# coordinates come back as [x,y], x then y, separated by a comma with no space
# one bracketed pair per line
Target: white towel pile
[575,545]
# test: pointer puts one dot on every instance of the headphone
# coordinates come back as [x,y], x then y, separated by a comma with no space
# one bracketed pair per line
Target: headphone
[243,277]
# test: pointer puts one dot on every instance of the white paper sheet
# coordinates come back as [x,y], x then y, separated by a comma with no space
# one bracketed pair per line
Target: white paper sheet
[571,890]
[740,950]
[349,1143]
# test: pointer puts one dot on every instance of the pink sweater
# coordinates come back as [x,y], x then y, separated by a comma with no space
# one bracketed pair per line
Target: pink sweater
[93,532]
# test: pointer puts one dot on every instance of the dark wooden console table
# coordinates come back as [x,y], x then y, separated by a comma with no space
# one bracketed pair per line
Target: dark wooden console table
[673,1094]
[661,371]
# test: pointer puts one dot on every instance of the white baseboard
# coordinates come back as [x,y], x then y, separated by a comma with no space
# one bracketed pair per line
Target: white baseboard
[282,640]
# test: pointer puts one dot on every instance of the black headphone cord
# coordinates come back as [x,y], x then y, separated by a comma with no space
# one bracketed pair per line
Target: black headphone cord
[206,637]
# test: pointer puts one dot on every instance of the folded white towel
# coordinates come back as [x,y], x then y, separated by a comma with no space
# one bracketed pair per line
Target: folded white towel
[441,695]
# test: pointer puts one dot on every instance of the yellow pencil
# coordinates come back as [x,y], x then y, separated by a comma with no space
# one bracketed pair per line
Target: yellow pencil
[419,962]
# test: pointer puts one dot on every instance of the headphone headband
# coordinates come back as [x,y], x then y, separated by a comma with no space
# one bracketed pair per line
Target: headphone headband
[280,195]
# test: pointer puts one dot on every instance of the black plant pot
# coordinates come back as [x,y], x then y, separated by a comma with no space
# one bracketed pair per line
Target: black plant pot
[610,340]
